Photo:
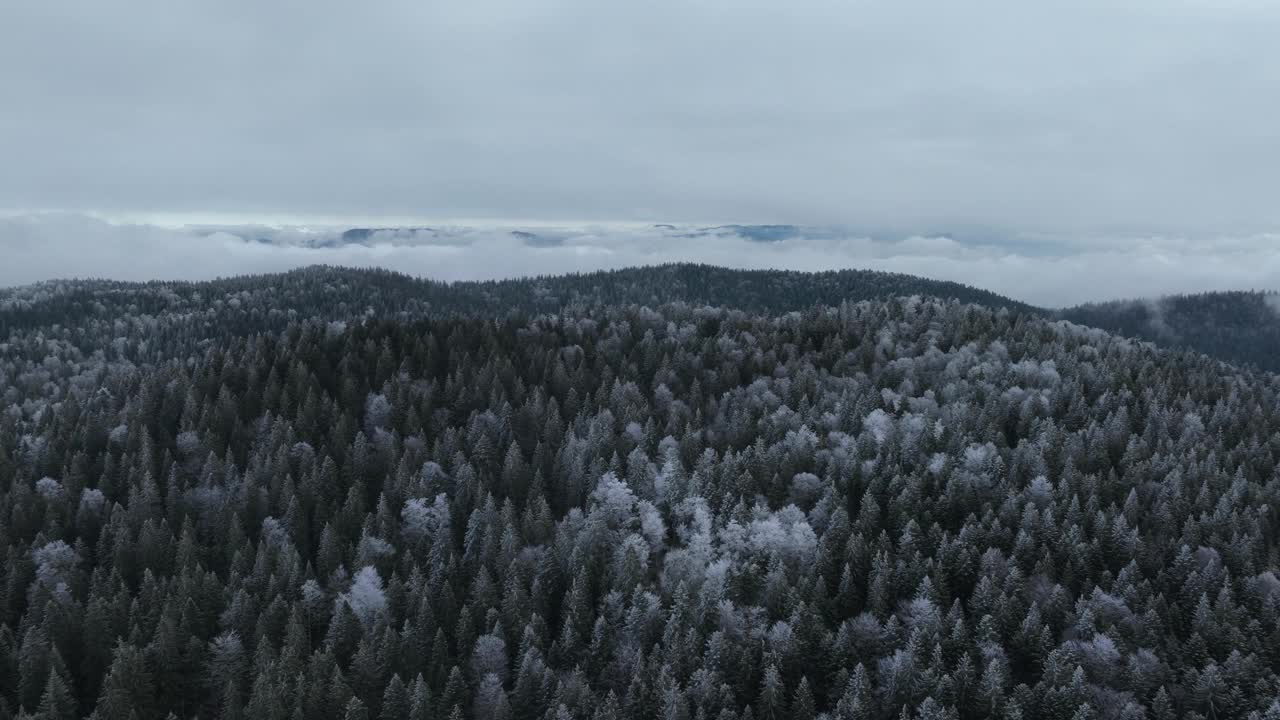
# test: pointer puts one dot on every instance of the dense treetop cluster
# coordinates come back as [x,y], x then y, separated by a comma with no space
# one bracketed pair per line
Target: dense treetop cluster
[321,496]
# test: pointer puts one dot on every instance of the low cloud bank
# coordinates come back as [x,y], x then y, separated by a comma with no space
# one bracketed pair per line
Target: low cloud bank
[1048,273]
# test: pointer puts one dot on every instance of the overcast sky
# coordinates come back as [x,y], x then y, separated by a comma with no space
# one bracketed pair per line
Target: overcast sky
[1053,115]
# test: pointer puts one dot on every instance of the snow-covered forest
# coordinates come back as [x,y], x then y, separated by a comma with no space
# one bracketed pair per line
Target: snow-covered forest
[684,494]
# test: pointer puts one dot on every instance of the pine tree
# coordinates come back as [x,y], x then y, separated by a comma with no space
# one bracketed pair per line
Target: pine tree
[1084,712]
[231,707]
[9,663]
[127,689]
[33,667]
[421,705]
[455,690]
[265,702]
[802,705]
[366,670]
[356,710]
[1162,706]
[771,704]
[57,702]
[339,692]
[395,700]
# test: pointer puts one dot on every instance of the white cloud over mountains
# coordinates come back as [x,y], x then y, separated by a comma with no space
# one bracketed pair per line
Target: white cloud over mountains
[1056,273]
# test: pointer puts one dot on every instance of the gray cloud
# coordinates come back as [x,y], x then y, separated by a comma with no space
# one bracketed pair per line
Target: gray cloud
[39,247]
[1061,116]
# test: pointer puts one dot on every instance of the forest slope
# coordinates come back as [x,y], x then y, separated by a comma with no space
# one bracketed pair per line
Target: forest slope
[1241,328]
[890,508]
[337,292]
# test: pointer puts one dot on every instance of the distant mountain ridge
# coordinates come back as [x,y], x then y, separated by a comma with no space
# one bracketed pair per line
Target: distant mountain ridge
[360,234]
[770,291]
[1242,328]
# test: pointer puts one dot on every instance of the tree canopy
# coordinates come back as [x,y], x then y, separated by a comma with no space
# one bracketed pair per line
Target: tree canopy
[318,497]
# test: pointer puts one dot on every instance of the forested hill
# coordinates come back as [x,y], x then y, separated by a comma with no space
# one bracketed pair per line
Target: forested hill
[339,293]
[1239,327]
[877,510]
